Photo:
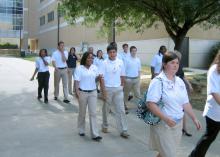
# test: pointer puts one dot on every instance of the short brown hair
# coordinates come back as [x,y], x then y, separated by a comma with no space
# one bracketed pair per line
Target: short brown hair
[169,56]
[60,42]
[125,45]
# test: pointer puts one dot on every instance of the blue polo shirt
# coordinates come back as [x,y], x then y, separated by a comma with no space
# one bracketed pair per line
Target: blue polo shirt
[71,61]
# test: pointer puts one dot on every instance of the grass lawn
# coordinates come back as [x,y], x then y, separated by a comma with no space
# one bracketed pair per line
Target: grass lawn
[145,70]
[30,58]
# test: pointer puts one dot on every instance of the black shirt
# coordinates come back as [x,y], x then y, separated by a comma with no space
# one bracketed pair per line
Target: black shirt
[180,72]
[71,61]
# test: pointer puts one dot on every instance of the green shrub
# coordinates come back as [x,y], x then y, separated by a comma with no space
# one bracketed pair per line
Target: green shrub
[8,46]
[213,51]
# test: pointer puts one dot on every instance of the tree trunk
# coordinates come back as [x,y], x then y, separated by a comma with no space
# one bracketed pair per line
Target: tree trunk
[178,42]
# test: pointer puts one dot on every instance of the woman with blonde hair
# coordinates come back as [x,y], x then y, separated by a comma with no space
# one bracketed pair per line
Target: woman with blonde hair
[211,111]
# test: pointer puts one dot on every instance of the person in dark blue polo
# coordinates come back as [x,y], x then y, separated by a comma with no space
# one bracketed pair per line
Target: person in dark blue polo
[71,63]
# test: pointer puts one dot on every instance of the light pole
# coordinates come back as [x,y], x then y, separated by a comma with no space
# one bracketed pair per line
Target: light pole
[58,22]
[20,37]
[113,30]
[111,34]
[20,27]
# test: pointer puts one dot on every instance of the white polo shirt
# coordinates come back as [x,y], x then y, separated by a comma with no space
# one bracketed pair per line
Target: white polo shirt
[123,55]
[98,62]
[212,108]
[132,66]
[112,72]
[86,77]
[40,64]
[57,57]
[157,63]
[174,95]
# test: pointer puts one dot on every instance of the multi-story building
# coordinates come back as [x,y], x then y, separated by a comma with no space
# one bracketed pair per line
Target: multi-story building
[43,27]
[11,20]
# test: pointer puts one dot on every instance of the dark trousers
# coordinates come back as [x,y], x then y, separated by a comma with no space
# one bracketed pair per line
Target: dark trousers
[43,83]
[212,129]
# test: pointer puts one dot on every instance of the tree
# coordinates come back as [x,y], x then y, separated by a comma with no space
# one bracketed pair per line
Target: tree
[178,16]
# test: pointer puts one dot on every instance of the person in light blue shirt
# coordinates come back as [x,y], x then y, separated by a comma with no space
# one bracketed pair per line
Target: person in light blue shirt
[132,71]
[156,63]
[123,55]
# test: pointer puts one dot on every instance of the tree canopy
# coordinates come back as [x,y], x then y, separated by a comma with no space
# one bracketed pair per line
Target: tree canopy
[178,16]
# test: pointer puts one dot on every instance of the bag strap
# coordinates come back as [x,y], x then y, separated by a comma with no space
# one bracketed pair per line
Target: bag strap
[159,78]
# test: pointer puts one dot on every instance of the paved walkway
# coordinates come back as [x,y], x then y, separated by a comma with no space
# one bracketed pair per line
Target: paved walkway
[30,128]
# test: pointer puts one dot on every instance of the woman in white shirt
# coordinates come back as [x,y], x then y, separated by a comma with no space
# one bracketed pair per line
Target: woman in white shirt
[166,136]
[156,63]
[211,111]
[43,75]
[85,86]
[98,61]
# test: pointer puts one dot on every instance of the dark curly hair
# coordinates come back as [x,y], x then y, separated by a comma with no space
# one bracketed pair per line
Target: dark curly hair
[45,50]
[84,57]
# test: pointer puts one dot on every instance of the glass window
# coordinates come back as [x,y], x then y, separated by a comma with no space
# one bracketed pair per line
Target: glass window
[9,3]
[42,20]
[2,10]
[11,15]
[50,16]
[2,3]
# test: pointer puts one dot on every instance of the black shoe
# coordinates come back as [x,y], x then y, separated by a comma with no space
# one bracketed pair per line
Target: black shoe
[46,101]
[66,101]
[39,97]
[126,109]
[186,133]
[98,138]
[124,134]
[130,97]
[55,98]
[81,134]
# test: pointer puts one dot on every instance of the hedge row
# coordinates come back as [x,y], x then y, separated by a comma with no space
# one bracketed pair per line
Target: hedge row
[8,46]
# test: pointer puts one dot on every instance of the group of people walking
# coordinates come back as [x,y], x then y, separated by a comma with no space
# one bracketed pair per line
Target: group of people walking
[117,77]
[64,64]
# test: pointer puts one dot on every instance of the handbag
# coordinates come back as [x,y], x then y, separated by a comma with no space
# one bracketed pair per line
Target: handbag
[144,113]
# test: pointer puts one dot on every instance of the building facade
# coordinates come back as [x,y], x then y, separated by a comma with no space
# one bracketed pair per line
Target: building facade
[11,19]
[43,28]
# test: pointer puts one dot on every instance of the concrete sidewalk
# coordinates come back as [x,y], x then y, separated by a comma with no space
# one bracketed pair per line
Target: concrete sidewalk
[30,128]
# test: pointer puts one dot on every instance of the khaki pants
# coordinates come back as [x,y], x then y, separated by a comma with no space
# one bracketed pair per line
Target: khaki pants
[165,139]
[131,85]
[70,79]
[60,74]
[89,99]
[115,101]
